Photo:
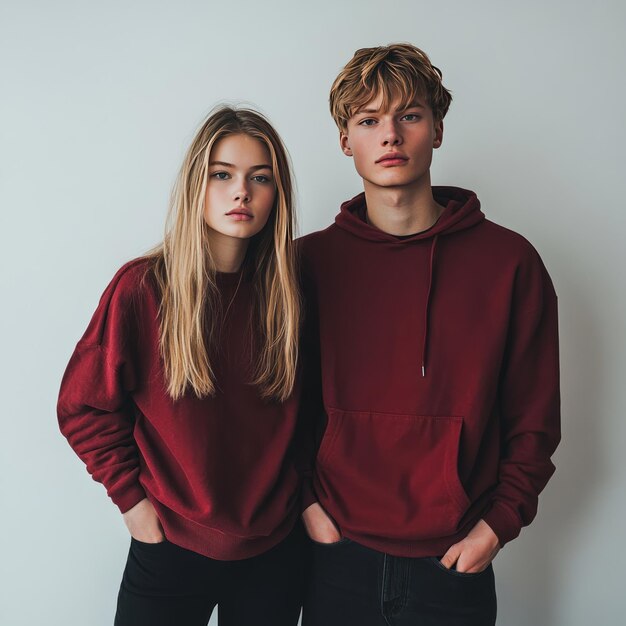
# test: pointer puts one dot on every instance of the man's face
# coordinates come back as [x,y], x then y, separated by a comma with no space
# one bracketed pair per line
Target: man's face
[392,148]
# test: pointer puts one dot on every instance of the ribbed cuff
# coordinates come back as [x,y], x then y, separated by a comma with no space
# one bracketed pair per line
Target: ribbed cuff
[503,522]
[127,499]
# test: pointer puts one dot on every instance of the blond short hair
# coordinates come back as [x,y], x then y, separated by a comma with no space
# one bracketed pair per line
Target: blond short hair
[397,71]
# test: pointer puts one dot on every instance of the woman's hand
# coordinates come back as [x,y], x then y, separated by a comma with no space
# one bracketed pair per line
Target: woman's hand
[474,553]
[143,523]
[319,526]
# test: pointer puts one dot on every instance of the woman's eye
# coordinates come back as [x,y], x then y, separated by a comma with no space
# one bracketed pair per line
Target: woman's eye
[367,122]
[220,175]
[261,179]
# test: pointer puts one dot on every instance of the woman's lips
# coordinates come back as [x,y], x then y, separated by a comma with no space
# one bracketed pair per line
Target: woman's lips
[239,216]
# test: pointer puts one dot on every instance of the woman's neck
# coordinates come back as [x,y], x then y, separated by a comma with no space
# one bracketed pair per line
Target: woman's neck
[228,252]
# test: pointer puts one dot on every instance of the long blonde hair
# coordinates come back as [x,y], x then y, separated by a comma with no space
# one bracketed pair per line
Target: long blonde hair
[185,271]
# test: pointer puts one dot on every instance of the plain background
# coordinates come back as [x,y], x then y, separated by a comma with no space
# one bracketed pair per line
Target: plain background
[99,102]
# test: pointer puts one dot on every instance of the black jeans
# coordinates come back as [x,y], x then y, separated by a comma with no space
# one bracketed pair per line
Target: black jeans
[166,585]
[352,585]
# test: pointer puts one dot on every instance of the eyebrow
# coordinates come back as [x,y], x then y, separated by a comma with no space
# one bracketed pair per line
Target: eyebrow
[254,167]
[415,105]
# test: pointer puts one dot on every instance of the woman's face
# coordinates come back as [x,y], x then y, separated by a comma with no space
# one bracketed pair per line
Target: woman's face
[241,189]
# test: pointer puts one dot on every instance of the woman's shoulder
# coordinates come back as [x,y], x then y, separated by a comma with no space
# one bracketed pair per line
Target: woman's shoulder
[131,294]
[133,282]
[133,276]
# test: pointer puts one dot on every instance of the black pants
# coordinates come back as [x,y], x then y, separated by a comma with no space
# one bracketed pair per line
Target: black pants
[166,585]
[352,585]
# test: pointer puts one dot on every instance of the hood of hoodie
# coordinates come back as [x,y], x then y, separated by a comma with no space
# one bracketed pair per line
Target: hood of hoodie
[462,211]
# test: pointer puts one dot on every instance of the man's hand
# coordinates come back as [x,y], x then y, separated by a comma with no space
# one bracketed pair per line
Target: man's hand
[143,523]
[319,526]
[474,553]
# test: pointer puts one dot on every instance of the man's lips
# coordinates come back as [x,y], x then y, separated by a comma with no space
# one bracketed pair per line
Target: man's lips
[392,158]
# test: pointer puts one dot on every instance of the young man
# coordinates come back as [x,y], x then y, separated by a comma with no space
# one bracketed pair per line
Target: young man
[438,357]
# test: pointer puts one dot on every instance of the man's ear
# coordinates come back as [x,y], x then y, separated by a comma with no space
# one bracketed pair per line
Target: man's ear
[438,134]
[344,142]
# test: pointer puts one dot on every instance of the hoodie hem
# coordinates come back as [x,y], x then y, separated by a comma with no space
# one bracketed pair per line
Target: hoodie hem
[408,548]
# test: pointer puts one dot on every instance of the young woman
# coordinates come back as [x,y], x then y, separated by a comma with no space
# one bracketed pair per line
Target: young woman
[181,397]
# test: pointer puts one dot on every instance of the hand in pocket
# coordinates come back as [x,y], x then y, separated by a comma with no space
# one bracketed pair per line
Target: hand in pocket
[319,526]
[143,523]
[474,553]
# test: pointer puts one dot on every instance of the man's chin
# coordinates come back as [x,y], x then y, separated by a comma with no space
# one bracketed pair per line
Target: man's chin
[395,182]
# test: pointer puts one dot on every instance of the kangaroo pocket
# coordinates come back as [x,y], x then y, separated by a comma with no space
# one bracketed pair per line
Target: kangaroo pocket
[392,475]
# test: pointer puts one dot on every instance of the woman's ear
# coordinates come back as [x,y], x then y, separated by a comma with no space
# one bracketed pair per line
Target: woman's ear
[344,142]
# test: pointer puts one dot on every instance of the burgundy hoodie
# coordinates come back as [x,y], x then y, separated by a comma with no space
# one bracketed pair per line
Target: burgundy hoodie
[439,375]
[221,470]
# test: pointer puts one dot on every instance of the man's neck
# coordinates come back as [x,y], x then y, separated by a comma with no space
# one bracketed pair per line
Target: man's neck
[401,210]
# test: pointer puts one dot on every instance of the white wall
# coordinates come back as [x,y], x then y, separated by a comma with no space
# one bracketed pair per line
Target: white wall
[98,103]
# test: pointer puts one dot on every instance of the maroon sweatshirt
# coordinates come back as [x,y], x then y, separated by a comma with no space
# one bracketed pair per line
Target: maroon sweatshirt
[440,377]
[220,471]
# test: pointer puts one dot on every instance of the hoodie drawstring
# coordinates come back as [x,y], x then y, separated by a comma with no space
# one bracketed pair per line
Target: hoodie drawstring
[462,211]
[431,263]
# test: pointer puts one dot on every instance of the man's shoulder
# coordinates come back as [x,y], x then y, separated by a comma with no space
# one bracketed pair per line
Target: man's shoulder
[317,240]
[508,242]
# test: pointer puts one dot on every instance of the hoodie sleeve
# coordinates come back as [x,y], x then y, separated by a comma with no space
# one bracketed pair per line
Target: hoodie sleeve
[95,408]
[311,407]
[311,419]
[529,401]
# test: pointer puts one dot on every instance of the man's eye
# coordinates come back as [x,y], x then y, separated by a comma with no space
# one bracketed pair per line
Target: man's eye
[220,175]
[367,122]
[411,117]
